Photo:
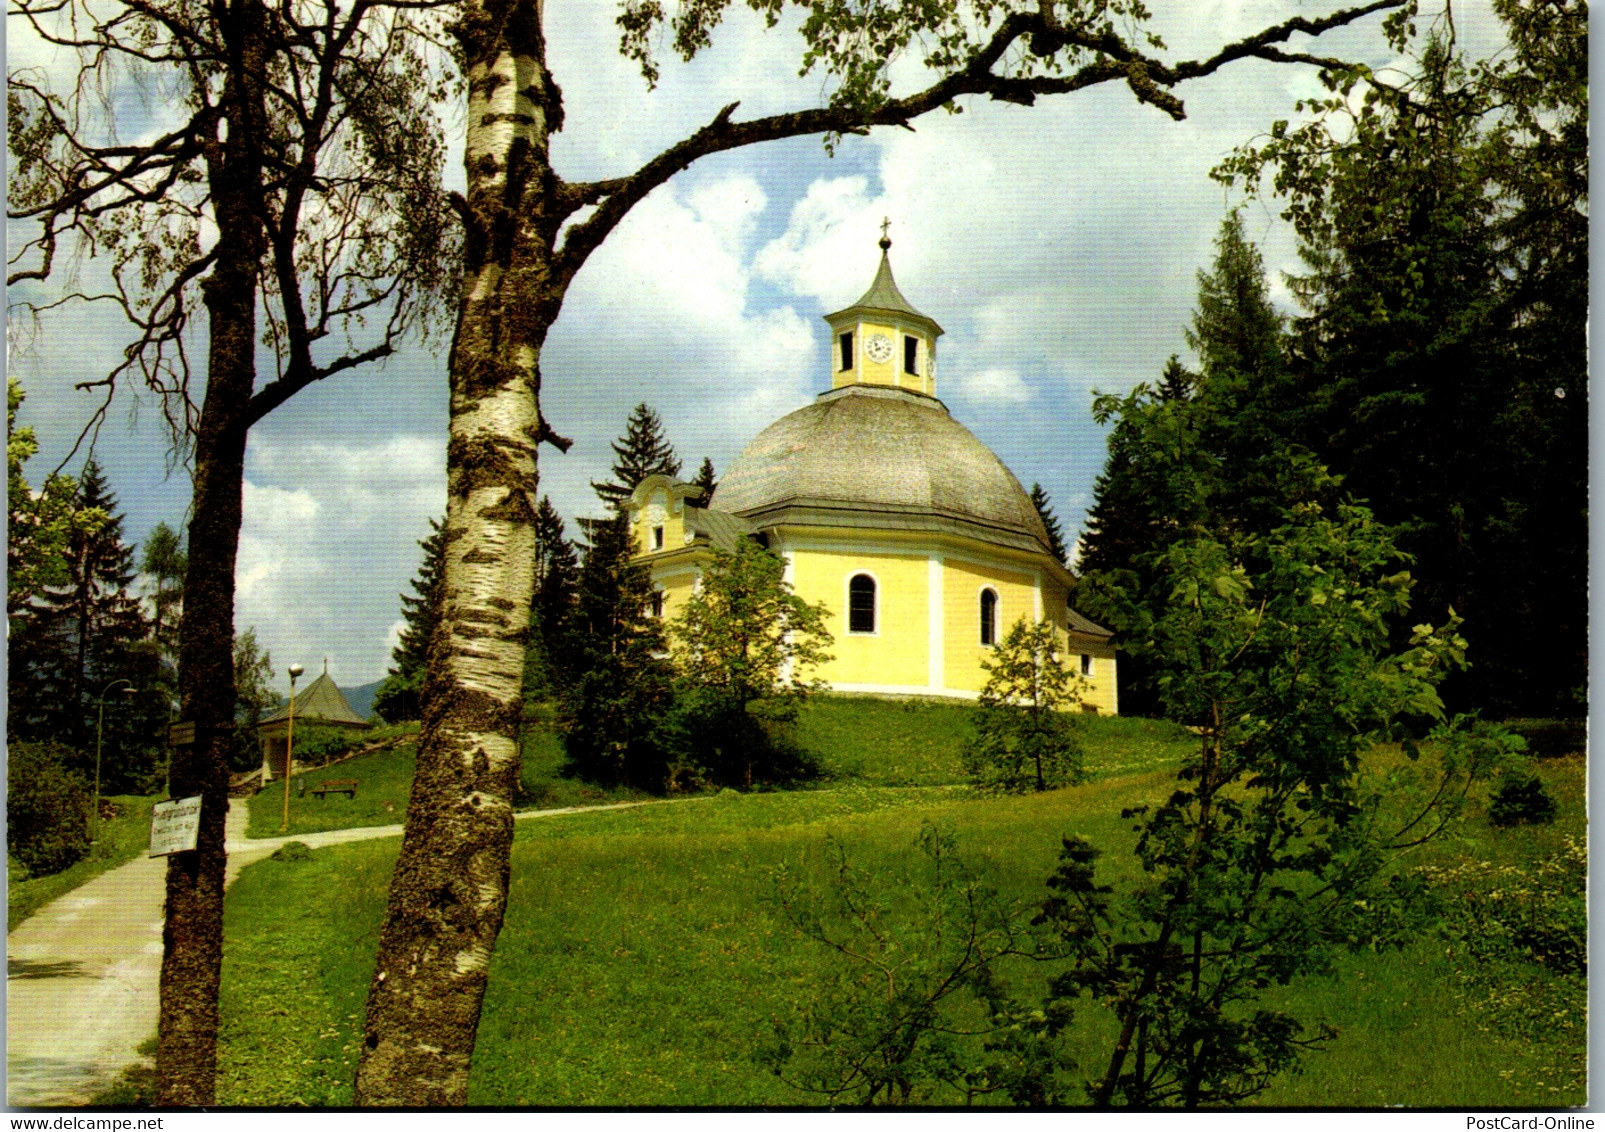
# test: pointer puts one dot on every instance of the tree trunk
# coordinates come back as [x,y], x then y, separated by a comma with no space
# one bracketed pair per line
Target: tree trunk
[192,936]
[449,891]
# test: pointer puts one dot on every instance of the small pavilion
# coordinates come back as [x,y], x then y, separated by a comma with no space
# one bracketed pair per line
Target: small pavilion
[321,704]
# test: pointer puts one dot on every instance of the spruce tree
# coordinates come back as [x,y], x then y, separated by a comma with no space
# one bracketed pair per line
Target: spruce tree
[398,695]
[642,451]
[1202,449]
[86,634]
[1442,352]
[163,562]
[618,689]
[706,481]
[556,577]
[1050,521]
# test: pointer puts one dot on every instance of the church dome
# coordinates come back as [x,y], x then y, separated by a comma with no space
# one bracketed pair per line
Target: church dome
[875,456]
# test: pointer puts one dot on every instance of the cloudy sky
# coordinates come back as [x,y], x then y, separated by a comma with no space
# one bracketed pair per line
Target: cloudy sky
[1057,245]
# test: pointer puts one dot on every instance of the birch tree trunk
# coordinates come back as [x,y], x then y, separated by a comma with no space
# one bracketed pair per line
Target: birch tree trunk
[449,891]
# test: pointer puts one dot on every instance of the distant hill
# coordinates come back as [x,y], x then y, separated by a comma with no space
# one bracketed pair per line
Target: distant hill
[361,697]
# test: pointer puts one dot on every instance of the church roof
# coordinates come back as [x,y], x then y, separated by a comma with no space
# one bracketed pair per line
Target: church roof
[883,457]
[1085,626]
[319,702]
[883,296]
[720,529]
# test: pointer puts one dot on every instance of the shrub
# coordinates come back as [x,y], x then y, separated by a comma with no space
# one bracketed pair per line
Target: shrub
[912,1010]
[293,851]
[1024,737]
[1521,800]
[316,745]
[47,808]
[1551,738]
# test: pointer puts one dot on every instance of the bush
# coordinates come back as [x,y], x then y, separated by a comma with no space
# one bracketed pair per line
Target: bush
[293,851]
[1551,738]
[315,745]
[1025,738]
[1521,801]
[47,808]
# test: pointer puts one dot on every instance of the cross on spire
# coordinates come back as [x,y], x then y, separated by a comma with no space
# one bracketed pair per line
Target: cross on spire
[886,239]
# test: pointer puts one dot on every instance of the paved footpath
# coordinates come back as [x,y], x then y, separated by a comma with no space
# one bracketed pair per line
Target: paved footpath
[82,972]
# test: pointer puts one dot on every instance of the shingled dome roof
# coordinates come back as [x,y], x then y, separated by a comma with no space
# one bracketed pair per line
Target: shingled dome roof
[879,456]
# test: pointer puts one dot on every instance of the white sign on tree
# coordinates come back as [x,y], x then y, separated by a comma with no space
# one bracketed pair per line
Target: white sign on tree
[174,826]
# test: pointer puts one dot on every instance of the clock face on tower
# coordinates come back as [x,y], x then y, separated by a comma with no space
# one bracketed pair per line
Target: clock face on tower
[879,347]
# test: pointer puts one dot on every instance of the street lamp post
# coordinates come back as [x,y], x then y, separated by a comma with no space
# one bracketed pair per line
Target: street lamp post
[289,747]
[100,727]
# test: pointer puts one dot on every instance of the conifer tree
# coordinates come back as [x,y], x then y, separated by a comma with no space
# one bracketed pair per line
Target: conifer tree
[1050,521]
[1203,448]
[398,696]
[644,450]
[556,578]
[163,561]
[618,686]
[87,633]
[705,480]
[1442,352]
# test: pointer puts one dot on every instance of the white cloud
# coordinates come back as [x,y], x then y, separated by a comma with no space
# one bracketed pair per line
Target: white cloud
[665,314]
[996,386]
[321,564]
[1057,245]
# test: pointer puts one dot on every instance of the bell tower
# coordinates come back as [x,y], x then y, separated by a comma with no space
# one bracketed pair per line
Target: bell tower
[881,339]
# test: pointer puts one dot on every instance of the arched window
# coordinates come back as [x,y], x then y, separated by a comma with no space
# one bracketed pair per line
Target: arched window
[861,604]
[989,617]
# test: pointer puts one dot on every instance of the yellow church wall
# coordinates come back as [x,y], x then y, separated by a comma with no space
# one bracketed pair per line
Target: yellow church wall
[962,583]
[675,588]
[1101,691]
[895,654]
[898,656]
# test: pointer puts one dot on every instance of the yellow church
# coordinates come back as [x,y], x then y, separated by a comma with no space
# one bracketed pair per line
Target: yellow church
[914,535]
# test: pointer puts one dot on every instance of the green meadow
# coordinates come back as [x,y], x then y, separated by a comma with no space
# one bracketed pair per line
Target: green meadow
[645,958]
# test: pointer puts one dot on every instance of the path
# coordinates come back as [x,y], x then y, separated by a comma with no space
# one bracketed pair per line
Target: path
[82,972]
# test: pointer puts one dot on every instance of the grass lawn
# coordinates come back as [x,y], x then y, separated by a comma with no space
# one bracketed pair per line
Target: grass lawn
[875,742]
[385,780]
[121,839]
[644,958]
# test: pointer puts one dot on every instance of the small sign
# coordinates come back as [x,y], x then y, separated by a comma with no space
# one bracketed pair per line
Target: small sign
[174,826]
[181,734]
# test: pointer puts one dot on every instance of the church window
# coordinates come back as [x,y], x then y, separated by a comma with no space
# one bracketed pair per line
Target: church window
[657,538]
[657,603]
[989,617]
[847,350]
[1086,665]
[861,604]
[911,354]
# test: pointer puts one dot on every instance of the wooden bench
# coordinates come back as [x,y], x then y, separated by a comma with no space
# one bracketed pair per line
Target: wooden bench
[346,786]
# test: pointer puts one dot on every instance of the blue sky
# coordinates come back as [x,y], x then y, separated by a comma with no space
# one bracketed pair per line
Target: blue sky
[1057,245]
